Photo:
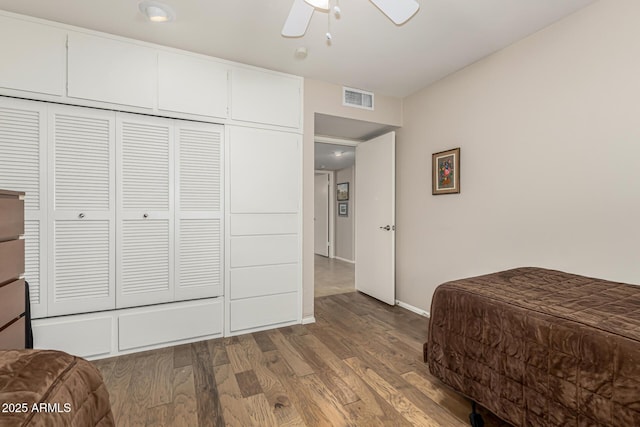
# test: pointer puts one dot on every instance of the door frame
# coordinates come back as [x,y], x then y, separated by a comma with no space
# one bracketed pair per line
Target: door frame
[319,139]
[331,207]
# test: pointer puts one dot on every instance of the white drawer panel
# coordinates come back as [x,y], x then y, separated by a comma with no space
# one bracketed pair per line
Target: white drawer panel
[83,335]
[254,224]
[263,311]
[263,250]
[170,322]
[258,281]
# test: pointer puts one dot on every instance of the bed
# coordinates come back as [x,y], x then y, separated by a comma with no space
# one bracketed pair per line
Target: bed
[51,388]
[540,347]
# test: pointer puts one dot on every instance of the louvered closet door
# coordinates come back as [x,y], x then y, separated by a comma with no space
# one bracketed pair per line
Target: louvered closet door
[145,202]
[81,210]
[199,231]
[23,168]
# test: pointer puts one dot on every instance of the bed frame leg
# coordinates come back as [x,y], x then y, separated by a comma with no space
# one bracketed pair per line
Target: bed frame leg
[475,418]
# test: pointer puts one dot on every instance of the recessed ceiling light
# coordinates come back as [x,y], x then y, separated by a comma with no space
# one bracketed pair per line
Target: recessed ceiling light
[157,12]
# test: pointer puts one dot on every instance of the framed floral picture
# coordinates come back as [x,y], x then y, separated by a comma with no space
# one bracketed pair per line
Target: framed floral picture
[446,172]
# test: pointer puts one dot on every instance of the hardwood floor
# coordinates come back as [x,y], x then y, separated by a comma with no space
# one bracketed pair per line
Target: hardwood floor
[333,276]
[360,364]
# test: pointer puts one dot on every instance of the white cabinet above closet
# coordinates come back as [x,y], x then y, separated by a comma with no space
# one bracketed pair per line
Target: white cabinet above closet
[192,85]
[32,57]
[107,70]
[266,97]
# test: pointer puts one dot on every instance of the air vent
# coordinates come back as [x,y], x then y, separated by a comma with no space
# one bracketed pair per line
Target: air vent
[357,98]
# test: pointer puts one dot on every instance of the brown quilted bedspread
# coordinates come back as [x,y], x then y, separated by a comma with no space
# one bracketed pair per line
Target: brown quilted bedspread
[540,347]
[51,388]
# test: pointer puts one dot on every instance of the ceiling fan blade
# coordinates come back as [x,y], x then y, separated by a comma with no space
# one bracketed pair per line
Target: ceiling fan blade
[399,11]
[298,19]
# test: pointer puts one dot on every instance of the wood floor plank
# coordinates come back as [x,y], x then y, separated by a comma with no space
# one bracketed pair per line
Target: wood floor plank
[290,355]
[181,356]
[234,408]
[317,358]
[248,383]
[376,408]
[185,412]
[218,352]
[272,386]
[397,399]
[455,403]
[263,341]
[238,358]
[132,412]
[261,413]
[159,416]
[310,406]
[161,391]
[207,398]
[118,384]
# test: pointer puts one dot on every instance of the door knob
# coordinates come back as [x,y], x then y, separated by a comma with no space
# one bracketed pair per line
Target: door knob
[388,227]
[81,216]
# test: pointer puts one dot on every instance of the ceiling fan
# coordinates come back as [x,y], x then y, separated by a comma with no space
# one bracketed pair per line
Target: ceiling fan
[399,11]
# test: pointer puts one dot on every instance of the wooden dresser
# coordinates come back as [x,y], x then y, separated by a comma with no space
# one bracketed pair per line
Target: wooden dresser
[12,292]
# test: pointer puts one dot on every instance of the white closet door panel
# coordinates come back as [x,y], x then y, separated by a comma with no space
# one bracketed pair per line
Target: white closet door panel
[23,167]
[169,322]
[145,167]
[260,281]
[144,262]
[35,268]
[21,132]
[264,171]
[264,97]
[33,56]
[83,144]
[107,70]
[263,311]
[199,167]
[192,85]
[85,335]
[82,267]
[263,250]
[256,224]
[199,259]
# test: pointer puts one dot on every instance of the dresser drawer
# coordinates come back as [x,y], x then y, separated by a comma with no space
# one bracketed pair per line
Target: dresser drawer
[12,337]
[11,301]
[11,218]
[11,260]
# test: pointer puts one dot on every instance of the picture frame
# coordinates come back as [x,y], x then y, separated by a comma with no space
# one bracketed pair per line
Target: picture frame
[343,191]
[445,172]
[343,209]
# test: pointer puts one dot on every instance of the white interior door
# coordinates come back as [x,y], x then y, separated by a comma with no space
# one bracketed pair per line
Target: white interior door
[321,215]
[375,218]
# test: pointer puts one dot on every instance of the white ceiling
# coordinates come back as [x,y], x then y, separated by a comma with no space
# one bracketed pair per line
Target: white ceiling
[326,159]
[368,51]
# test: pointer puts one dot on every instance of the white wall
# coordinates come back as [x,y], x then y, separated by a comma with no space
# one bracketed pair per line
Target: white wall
[550,175]
[345,230]
[326,98]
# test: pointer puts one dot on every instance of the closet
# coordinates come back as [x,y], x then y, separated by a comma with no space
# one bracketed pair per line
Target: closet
[163,189]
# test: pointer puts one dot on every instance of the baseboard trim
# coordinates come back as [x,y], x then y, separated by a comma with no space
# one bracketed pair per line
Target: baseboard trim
[409,307]
[344,259]
[308,320]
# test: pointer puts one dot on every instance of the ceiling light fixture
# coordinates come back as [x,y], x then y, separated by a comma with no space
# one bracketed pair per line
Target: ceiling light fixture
[157,12]
[319,4]
[338,153]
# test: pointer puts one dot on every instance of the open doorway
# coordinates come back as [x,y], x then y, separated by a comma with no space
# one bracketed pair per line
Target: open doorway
[334,216]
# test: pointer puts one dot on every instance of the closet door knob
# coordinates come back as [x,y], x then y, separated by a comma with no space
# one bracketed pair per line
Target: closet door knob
[81,216]
[145,215]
